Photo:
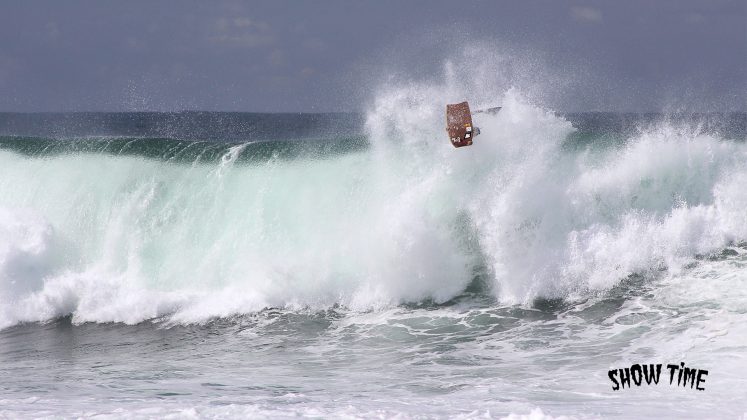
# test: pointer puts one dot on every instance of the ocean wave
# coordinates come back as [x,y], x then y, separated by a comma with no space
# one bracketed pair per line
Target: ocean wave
[127,230]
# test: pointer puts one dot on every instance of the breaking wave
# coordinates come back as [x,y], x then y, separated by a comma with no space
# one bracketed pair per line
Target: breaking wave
[127,230]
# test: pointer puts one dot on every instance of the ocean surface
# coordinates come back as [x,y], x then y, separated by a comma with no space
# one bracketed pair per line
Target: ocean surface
[223,265]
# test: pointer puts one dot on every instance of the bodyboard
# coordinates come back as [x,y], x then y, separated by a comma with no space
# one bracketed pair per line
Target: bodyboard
[459,124]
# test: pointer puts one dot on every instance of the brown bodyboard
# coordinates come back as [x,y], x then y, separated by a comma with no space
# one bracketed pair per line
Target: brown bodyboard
[459,124]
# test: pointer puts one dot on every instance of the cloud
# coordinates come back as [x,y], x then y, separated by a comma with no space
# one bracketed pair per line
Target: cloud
[53,30]
[277,58]
[240,32]
[586,14]
[694,18]
[314,44]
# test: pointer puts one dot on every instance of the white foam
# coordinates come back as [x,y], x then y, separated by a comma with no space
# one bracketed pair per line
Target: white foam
[125,239]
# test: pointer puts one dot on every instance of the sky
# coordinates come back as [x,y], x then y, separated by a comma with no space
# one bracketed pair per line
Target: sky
[334,55]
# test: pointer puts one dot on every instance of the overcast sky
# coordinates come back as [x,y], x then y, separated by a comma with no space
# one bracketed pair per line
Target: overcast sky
[637,55]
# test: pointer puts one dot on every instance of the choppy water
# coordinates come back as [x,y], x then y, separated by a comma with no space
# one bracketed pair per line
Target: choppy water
[225,265]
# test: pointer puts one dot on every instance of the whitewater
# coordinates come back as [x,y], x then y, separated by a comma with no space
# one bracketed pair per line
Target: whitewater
[377,273]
